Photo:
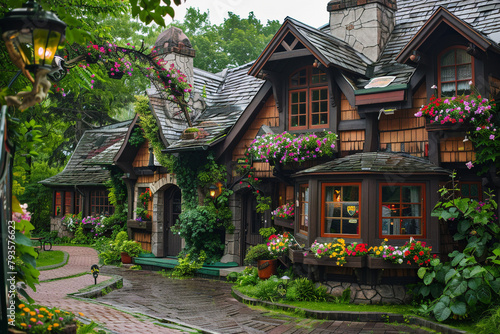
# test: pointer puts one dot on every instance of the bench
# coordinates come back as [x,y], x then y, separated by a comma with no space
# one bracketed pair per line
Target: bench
[43,244]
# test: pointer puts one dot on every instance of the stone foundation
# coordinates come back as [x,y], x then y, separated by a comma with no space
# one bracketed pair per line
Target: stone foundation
[370,294]
[56,225]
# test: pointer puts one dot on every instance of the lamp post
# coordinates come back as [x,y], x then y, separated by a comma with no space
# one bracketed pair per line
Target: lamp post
[31,37]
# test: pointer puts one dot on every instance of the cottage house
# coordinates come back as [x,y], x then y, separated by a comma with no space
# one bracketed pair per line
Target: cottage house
[80,187]
[363,76]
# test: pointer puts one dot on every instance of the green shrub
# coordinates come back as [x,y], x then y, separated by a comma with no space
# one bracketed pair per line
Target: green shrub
[110,252]
[267,289]
[189,264]
[80,237]
[258,252]
[249,276]
[131,247]
[304,289]
[489,324]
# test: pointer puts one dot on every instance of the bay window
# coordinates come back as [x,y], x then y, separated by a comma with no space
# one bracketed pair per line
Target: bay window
[456,69]
[402,210]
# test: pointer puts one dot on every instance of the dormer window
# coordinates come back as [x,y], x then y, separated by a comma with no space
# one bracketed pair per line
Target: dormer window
[308,99]
[455,72]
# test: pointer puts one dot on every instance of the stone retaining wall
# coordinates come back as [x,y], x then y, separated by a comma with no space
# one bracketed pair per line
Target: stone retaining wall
[370,294]
[56,225]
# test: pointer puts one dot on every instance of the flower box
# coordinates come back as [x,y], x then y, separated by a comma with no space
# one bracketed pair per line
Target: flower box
[143,225]
[448,126]
[296,255]
[380,263]
[352,261]
[288,223]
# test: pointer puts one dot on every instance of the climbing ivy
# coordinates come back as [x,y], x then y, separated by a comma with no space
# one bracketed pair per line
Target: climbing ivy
[151,132]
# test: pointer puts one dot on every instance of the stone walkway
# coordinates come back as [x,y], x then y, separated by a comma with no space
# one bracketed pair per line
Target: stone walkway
[208,304]
[54,293]
[197,303]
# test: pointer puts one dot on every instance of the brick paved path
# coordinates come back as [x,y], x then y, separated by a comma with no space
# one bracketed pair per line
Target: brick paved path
[54,293]
[208,304]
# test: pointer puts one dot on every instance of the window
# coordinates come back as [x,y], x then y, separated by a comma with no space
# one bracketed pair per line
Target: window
[455,72]
[308,99]
[470,190]
[303,208]
[67,202]
[99,203]
[340,214]
[402,210]
[57,204]
[77,202]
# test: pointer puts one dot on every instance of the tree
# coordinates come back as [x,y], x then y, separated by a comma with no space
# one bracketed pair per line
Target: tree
[233,43]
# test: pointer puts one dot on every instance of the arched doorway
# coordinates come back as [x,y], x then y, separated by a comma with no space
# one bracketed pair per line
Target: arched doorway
[251,222]
[172,207]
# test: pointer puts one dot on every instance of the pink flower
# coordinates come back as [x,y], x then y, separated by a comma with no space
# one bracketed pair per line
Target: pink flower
[469,165]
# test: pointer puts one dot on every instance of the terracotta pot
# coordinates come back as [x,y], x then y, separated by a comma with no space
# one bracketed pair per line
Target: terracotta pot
[266,268]
[126,259]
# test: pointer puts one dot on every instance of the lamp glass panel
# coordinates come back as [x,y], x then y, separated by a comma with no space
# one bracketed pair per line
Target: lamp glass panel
[45,45]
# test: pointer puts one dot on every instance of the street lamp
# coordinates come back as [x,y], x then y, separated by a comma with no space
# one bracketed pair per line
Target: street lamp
[32,36]
[212,190]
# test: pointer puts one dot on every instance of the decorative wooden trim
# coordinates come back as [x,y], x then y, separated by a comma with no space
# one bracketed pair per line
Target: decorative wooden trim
[357,124]
[394,96]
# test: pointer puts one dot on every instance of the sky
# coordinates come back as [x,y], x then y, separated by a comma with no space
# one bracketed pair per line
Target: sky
[313,14]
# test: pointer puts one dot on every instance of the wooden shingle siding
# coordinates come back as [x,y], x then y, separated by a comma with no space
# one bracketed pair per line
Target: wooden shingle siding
[142,157]
[269,116]
[150,178]
[494,86]
[351,141]
[456,150]
[403,132]
[144,238]
[347,112]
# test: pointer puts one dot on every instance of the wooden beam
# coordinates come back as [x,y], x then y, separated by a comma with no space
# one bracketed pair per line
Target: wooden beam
[357,124]
[290,54]
[371,133]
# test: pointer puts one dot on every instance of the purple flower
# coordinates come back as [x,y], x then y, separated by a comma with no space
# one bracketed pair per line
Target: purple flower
[492,137]
[469,165]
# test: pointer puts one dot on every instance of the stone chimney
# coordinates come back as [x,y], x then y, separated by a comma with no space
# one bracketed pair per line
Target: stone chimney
[174,47]
[366,25]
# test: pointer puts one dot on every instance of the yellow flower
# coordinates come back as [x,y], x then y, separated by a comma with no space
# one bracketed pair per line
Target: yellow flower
[56,324]
[23,324]
[43,309]
[57,311]
[381,248]
[32,319]
[386,239]
[21,306]
[377,253]
[40,315]
[81,314]
[26,309]
[32,312]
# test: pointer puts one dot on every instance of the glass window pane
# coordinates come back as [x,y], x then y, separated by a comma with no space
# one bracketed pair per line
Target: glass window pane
[350,209]
[324,106]
[390,194]
[448,74]
[329,194]
[411,194]
[410,226]
[448,89]
[337,210]
[295,97]
[302,108]
[474,190]
[448,58]
[295,121]
[334,226]
[411,210]
[295,109]
[350,226]
[315,107]
[463,87]
[315,95]
[463,57]
[315,120]
[464,72]
[303,97]
[324,119]
[302,120]
[350,193]
[329,210]
[464,190]
[323,94]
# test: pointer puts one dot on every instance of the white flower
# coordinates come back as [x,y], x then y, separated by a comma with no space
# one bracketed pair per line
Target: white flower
[434,87]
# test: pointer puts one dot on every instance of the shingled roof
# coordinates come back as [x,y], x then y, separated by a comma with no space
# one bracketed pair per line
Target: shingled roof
[95,148]
[376,163]
[482,16]
[228,94]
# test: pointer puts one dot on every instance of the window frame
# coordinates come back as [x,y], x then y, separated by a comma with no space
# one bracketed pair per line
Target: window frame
[422,217]
[303,228]
[441,54]
[101,194]
[323,216]
[308,88]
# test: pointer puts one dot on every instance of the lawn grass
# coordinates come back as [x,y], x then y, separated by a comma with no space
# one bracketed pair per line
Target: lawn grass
[48,258]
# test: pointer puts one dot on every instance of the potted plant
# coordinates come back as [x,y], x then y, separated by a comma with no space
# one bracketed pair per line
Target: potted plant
[283,215]
[266,261]
[129,249]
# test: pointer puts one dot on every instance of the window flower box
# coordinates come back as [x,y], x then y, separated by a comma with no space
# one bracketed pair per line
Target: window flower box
[296,255]
[288,223]
[351,261]
[379,263]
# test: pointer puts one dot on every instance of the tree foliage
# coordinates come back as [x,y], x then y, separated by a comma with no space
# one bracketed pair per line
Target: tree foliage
[235,42]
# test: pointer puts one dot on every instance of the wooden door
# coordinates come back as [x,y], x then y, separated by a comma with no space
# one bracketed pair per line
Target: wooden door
[251,223]
[172,242]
